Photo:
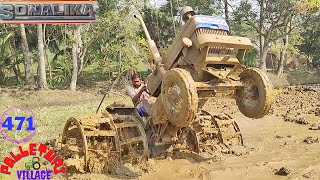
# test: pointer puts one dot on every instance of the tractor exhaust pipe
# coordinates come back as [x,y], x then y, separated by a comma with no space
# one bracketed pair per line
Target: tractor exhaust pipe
[143,26]
[157,59]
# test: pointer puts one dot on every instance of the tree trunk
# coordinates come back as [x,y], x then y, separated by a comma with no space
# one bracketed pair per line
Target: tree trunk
[19,71]
[81,61]
[27,60]
[42,80]
[263,56]
[46,44]
[120,59]
[16,72]
[81,53]
[75,45]
[283,52]
[226,13]
[281,62]
[263,53]
[2,77]
[263,46]
[173,22]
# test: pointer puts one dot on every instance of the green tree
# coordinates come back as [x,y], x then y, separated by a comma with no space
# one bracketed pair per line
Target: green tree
[269,19]
[310,46]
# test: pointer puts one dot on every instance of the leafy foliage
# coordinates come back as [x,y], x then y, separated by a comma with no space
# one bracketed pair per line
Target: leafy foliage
[5,53]
[250,58]
[117,43]
[311,41]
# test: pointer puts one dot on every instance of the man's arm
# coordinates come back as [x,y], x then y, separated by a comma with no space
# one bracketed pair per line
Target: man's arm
[136,98]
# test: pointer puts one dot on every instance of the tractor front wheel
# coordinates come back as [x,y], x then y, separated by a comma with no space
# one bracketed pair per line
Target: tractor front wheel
[255,98]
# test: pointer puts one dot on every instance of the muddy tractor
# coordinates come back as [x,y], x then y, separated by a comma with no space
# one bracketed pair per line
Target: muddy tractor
[202,62]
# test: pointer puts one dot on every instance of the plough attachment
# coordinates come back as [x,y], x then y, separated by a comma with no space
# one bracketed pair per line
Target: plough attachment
[102,142]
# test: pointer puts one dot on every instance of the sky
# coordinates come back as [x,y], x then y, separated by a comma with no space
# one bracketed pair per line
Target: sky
[158,3]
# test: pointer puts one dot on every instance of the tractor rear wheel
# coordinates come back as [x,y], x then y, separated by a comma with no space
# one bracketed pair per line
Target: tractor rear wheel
[179,97]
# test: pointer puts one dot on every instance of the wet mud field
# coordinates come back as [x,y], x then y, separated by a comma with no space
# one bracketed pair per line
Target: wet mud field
[282,145]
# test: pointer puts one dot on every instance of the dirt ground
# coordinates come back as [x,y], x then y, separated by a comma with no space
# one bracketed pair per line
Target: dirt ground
[282,145]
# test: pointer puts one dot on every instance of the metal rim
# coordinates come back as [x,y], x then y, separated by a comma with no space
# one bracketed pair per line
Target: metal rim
[73,121]
[250,93]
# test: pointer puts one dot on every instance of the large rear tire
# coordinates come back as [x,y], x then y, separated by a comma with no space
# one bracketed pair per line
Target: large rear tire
[179,97]
[255,98]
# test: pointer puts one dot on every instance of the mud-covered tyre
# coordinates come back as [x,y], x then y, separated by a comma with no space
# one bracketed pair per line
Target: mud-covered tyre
[179,96]
[254,100]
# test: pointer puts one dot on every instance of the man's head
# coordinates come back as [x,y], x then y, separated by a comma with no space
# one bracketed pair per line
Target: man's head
[136,80]
[186,13]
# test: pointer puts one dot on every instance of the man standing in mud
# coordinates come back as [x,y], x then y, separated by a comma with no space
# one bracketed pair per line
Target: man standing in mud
[139,94]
